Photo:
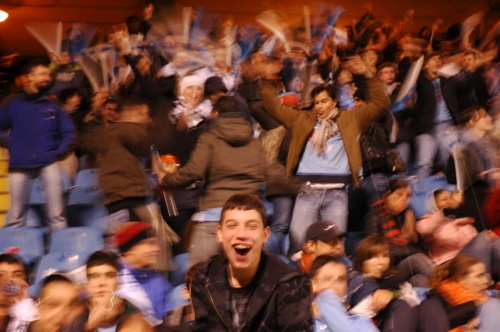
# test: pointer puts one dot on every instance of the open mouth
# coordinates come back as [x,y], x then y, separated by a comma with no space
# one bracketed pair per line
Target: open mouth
[242,250]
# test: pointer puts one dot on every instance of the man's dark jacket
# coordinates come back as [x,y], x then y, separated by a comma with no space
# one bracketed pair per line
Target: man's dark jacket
[281,299]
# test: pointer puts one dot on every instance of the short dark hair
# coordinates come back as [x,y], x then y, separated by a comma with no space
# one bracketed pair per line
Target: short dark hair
[397,183]
[321,261]
[330,89]
[67,93]
[14,259]
[34,63]
[226,104]
[245,202]
[101,257]
[53,278]
[213,85]
[387,64]
[110,101]
[130,102]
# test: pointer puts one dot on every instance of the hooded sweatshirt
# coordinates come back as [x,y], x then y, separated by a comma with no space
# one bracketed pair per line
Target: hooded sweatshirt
[230,159]
[443,235]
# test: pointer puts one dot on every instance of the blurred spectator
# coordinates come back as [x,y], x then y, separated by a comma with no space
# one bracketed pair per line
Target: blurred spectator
[446,236]
[322,151]
[395,221]
[322,238]
[229,138]
[374,283]
[329,280]
[105,309]
[458,300]
[40,135]
[59,306]
[145,288]
[17,310]
[181,318]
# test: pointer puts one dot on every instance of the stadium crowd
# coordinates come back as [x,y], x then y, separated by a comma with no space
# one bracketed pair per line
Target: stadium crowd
[303,178]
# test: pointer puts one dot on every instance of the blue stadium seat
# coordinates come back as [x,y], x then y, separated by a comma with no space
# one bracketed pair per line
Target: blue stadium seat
[95,216]
[62,262]
[37,194]
[26,241]
[34,216]
[87,178]
[91,195]
[176,277]
[76,239]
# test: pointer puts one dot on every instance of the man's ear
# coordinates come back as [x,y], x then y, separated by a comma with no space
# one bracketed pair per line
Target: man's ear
[219,233]
[267,233]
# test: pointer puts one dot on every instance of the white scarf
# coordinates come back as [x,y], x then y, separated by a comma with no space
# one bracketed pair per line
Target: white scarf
[328,128]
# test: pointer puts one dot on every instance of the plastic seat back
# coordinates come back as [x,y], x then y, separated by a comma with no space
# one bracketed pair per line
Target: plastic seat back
[27,241]
[87,178]
[76,239]
[70,264]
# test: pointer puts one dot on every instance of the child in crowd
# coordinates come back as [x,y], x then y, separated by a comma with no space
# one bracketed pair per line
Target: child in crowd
[395,221]
[458,300]
[373,278]
[329,281]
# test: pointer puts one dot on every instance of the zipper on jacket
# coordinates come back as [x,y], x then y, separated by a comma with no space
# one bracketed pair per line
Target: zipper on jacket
[216,310]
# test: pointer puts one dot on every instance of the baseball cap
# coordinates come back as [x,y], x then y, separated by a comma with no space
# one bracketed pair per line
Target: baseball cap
[324,231]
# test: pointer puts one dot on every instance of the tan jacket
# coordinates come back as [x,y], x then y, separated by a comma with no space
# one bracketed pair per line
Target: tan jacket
[350,123]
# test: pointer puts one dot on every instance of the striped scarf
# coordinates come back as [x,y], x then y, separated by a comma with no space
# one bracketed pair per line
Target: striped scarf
[389,224]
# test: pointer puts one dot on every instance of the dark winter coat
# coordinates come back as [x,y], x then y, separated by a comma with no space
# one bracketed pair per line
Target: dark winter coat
[230,160]
[280,302]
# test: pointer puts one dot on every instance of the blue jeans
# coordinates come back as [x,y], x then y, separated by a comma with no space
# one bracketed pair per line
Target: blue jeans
[20,188]
[283,209]
[312,205]
[488,250]
[374,186]
[404,149]
[489,319]
[428,145]
[203,242]
[418,268]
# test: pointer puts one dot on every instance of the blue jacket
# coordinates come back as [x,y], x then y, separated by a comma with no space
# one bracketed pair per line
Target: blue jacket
[335,318]
[39,132]
[155,286]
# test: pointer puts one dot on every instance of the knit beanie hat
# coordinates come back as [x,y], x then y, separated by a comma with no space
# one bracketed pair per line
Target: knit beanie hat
[188,81]
[131,233]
